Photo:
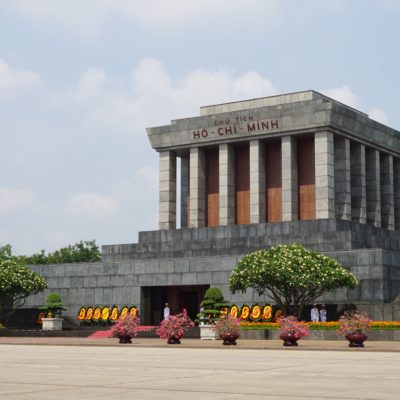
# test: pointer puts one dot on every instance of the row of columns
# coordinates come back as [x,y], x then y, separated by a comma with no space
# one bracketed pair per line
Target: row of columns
[367,185]
[343,172]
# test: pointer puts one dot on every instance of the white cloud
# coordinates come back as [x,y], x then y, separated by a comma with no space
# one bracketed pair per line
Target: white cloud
[89,18]
[343,94]
[12,199]
[151,96]
[346,96]
[91,205]
[13,78]
[90,86]
[378,115]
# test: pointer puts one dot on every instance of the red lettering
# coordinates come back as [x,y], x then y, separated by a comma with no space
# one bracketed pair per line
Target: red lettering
[274,124]
[251,128]
[220,131]
[199,134]
[264,125]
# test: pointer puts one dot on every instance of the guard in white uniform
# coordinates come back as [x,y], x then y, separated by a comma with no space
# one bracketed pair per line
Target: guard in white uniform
[314,314]
[322,313]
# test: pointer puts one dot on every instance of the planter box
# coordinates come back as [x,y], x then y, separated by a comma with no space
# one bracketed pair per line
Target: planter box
[52,324]
[207,332]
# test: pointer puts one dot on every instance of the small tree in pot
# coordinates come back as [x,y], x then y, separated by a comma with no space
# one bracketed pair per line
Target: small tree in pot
[53,308]
[53,305]
[211,306]
[210,311]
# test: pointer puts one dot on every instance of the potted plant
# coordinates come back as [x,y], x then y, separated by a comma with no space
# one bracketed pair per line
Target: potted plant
[210,311]
[291,330]
[353,325]
[174,327]
[228,329]
[126,328]
[52,308]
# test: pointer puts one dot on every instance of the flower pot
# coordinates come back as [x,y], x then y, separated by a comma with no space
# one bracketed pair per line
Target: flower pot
[125,339]
[229,339]
[174,340]
[52,324]
[289,339]
[356,339]
[207,332]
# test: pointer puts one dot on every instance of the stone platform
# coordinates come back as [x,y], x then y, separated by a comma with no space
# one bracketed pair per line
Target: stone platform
[206,256]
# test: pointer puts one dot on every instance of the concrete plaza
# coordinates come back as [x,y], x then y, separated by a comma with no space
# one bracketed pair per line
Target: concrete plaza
[52,372]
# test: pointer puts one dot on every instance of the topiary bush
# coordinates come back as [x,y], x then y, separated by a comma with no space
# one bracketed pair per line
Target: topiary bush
[211,306]
[53,304]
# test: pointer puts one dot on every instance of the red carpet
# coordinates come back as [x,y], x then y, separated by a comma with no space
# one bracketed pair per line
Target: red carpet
[107,334]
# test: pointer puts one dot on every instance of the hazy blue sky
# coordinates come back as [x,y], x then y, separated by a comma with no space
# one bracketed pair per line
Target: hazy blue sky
[81,80]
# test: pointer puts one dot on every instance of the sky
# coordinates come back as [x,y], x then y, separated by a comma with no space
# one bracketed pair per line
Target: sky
[81,80]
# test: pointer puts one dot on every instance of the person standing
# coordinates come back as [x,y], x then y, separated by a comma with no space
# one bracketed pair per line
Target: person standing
[314,313]
[167,311]
[322,313]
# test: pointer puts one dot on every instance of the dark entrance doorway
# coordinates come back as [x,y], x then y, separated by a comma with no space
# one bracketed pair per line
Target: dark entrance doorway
[178,297]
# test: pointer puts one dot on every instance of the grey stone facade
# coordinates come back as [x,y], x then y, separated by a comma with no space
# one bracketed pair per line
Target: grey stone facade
[357,206]
[208,255]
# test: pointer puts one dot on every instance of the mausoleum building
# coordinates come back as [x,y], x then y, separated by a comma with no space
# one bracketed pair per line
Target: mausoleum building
[293,168]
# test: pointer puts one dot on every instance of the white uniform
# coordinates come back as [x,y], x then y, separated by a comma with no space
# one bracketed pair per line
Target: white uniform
[314,314]
[166,312]
[322,314]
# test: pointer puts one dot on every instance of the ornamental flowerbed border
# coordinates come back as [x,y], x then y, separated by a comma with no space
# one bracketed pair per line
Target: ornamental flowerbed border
[314,326]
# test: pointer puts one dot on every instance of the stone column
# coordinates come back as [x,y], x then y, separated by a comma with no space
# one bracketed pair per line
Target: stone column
[342,178]
[396,187]
[257,182]
[184,190]
[167,190]
[226,185]
[290,190]
[373,181]
[324,176]
[387,191]
[197,190]
[358,189]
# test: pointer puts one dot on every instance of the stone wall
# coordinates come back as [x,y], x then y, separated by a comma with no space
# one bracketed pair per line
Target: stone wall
[120,282]
[321,235]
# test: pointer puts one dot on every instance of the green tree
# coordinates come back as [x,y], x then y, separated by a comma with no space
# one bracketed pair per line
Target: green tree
[16,282]
[290,275]
[212,305]
[86,251]
[53,304]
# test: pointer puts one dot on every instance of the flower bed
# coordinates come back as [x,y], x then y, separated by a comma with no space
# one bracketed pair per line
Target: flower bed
[332,325]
